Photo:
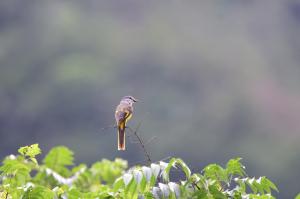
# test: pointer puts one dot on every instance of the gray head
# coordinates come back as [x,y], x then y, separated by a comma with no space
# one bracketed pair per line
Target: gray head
[129,99]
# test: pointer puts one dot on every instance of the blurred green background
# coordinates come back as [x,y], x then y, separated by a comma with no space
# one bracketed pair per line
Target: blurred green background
[217,79]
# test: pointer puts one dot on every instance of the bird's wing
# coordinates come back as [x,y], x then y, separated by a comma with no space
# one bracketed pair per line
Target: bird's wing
[123,113]
[120,116]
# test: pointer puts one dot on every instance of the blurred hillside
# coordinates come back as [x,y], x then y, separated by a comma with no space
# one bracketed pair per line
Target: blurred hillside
[215,79]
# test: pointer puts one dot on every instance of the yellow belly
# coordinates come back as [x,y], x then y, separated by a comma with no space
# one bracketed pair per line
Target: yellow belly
[128,117]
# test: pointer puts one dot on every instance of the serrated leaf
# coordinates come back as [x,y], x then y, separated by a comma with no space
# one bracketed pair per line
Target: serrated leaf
[250,183]
[241,183]
[214,190]
[38,192]
[271,184]
[259,185]
[30,151]
[73,194]
[13,167]
[107,170]
[200,194]
[58,158]
[234,167]
[215,172]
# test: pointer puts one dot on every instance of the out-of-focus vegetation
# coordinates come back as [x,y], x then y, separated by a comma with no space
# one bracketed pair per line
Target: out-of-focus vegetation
[216,80]
[107,179]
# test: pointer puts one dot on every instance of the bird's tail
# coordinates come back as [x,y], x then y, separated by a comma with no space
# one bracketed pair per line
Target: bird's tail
[121,136]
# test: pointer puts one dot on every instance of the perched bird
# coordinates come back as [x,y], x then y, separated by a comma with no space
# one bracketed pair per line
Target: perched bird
[123,113]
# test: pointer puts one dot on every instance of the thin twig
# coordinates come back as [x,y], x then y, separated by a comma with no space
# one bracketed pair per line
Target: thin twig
[132,140]
[141,143]
[195,184]
[108,127]
[150,140]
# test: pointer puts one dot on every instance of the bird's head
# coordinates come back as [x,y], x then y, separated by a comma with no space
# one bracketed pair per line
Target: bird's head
[129,99]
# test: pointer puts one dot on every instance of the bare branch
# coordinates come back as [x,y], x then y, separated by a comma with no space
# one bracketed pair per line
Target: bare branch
[150,140]
[140,142]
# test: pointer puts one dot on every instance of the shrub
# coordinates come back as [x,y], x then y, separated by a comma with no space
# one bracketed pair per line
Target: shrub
[57,177]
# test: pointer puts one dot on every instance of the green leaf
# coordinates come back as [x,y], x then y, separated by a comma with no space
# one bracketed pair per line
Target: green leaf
[58,158]
[119,183]
[250,183]
[74,193]
[200,194]
[214,190]
[143,184]
[242,185]
[38,192]
[215,172]
[184,167]
[271,184]
[131,189]
[13,167]
[267,185]
[234,167]
[30,151]
[166,167]
[152,181]
[260,186]
[107,170]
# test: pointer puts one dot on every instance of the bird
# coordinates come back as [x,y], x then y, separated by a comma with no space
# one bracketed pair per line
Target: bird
[123,113]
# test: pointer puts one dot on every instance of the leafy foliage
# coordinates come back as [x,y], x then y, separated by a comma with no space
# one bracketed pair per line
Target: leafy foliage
[112,179]
[58,158]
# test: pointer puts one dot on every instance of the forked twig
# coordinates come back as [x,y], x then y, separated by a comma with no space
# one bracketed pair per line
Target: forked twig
[140,141]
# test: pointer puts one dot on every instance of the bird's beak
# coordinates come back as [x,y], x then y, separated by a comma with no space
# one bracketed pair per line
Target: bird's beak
[136,100]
